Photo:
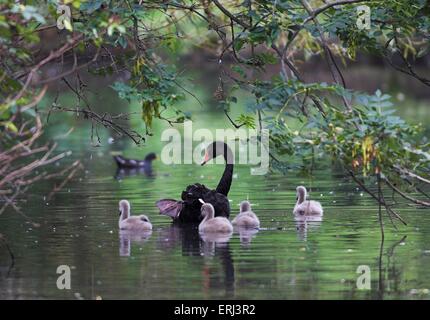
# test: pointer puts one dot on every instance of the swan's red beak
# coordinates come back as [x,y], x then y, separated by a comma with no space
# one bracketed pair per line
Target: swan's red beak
[206,159]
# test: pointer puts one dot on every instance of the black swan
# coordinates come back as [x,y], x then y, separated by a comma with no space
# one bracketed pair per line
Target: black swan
[188,209]
[131,163]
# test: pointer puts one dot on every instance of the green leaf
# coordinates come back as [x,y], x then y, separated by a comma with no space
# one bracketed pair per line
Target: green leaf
[122,41]
[91,5]
[68,25]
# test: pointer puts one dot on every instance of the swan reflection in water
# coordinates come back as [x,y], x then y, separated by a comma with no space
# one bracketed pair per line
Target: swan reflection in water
[305,224]
[204,246]
[174,235]
[126,237]
[245,235]
[217,245]
[212,241]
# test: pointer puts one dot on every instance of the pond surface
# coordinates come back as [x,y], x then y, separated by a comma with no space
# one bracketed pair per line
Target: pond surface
[286,259]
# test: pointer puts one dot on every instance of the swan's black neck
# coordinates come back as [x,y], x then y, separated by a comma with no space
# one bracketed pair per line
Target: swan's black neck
[225,181]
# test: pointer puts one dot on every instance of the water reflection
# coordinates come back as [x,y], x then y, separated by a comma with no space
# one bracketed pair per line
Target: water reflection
[211,241]
[207,247]
[219,239]
[305,224]
[183,264]
[186,236]
[245,235]
[126,237]
[217,245]
[5,271]
[121,173]
[389,275]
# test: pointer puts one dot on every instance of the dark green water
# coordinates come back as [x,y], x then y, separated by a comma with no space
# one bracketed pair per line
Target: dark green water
[286,259]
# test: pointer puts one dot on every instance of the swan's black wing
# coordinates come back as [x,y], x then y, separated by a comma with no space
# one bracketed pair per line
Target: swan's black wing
[191,204]
[197,191]
[170,207]
[188,210]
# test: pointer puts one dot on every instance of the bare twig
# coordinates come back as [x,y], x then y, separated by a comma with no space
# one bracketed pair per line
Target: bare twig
[73,169]
[380,201]
[411,174]
[107,121]
[405,196]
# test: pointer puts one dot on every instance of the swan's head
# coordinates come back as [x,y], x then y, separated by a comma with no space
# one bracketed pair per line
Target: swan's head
[218,148]
[245,206]
[150,157]
[144,218]
[207,210]
[124,207]
[301,194]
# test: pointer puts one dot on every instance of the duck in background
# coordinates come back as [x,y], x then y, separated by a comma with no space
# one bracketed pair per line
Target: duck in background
[123,162]
[130,167]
